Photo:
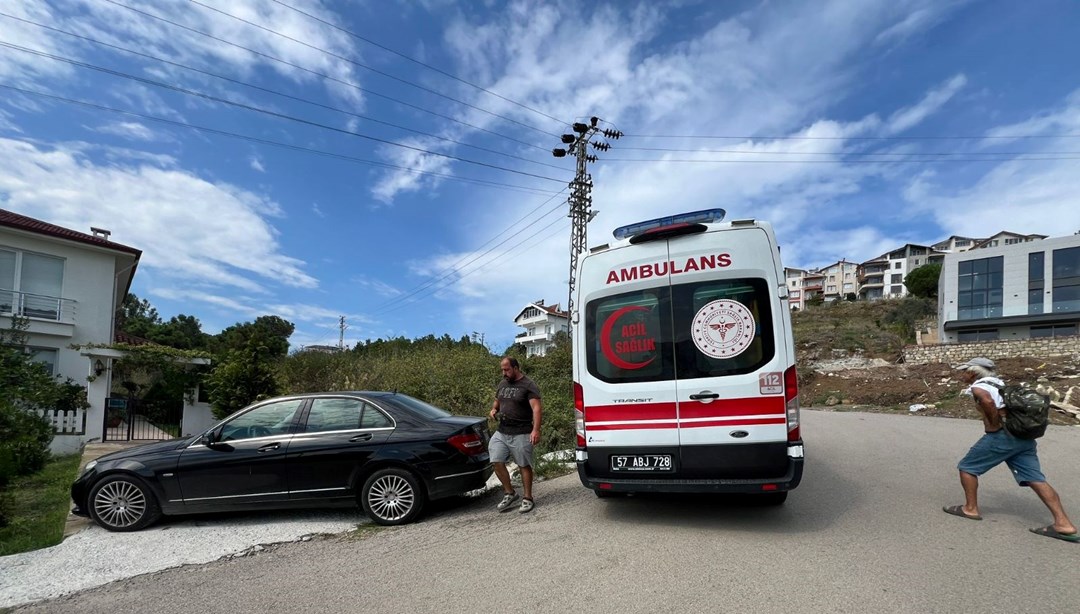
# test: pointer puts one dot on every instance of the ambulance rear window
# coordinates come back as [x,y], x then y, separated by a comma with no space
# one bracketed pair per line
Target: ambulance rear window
[694,330]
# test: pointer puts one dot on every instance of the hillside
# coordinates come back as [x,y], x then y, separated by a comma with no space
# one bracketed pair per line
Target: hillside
[848,358]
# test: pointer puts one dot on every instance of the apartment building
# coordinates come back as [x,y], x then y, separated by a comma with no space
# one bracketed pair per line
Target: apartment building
[1019,290]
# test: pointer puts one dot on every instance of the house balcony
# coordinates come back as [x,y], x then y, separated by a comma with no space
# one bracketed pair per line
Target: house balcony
[47,314]
[526,338]
[812,288]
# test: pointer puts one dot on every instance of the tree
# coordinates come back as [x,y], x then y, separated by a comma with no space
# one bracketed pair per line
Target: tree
[27,385]
[270,332]
[182,332]
[137,316]
[243,377]
[923,281]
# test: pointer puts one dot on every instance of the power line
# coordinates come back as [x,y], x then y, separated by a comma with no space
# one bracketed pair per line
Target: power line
[460,264]
[848,138]
[270,113]
[536,239]
[687,161]
[854,153]
[415,61]
[366,67]
[272,91]
[323,75]
[527,189]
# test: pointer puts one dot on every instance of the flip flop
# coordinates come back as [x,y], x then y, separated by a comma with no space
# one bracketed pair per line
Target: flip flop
[1049,531]
[958,510]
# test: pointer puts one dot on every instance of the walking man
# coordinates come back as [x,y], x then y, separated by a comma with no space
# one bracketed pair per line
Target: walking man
[517,408]
[998,446]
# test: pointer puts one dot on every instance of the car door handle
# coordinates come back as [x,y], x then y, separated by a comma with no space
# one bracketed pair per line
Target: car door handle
[361,437]
[704,395]
[269,446]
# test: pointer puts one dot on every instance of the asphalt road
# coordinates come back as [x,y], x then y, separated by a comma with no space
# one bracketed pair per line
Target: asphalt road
[864,533]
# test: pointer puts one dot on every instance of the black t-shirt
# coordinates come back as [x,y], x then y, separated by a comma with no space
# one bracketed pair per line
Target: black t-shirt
[515,413]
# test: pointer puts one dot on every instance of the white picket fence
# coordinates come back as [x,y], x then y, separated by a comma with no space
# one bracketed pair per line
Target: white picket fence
[65,422]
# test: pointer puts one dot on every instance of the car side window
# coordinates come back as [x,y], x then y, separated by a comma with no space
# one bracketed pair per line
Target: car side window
[374,419]
[334,415]
[263,421]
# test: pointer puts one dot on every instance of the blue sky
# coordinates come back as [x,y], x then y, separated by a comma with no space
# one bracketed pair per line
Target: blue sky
[836,113]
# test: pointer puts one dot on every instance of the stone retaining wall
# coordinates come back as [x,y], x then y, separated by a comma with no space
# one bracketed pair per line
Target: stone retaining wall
[953,353]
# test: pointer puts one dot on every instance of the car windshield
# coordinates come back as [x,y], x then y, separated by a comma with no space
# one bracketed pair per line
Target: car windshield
[416,406]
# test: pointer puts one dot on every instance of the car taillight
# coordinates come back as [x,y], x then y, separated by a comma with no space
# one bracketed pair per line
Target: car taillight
[469,444]
[791,403]
[579,414]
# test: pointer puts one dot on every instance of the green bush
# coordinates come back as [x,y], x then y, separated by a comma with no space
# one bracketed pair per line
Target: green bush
[24,442]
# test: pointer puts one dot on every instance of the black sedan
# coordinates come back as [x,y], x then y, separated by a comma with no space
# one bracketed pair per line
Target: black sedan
[390,452]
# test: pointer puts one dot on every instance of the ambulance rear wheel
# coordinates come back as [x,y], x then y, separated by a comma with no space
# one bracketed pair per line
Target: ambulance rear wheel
[772,498]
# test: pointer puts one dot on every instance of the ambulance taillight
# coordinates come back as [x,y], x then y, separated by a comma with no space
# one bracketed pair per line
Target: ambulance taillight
[579,414]
[791,401]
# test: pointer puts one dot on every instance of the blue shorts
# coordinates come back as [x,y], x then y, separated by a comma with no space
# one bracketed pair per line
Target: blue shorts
[1001,447]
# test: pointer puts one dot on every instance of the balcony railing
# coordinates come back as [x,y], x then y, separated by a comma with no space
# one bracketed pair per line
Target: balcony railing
[37,306]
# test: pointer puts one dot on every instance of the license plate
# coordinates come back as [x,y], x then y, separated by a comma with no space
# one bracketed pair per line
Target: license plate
[641,462]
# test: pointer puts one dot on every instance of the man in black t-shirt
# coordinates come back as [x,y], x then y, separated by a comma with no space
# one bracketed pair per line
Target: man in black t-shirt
[517,408]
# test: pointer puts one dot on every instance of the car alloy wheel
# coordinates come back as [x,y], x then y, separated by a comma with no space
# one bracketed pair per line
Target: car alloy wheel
[392,497]
[123,503]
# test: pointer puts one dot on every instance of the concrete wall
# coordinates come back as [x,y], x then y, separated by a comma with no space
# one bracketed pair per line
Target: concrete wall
[955,353]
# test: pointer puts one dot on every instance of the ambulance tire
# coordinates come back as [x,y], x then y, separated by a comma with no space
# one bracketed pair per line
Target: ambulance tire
[772,498]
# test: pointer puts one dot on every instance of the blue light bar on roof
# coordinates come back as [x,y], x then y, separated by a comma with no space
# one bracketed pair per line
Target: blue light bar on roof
[705,216]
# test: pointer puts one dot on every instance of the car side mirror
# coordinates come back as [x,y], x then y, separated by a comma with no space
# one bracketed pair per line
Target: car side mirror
[208,439]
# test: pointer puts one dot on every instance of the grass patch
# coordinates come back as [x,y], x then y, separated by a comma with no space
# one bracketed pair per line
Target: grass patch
[363,531]
[37,506]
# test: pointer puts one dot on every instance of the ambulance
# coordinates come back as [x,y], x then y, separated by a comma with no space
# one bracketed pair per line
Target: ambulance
[684,361]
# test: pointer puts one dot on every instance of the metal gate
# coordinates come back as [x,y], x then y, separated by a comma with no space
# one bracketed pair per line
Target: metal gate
[133,419]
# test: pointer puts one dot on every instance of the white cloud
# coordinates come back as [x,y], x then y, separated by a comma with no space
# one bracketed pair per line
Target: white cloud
[909,117]
[188,228]
[256,164]
[128,130]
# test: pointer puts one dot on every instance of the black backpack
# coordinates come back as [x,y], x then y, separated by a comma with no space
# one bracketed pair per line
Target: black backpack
[1027,411]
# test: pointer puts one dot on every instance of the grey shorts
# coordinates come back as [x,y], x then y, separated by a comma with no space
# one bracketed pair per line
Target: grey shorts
[502,447]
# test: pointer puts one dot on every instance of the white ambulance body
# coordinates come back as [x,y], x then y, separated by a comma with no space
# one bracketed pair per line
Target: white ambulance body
[684,361]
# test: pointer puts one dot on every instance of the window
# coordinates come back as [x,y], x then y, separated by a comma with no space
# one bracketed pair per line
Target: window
[1012,241]
[916,262]
[896,289]
[1035,282]
[896,278]
[962,243]
[415,406]
[263,421]
[896,265]
[649,335]
[45,356]
[969,336]
[31,283]
[547,329]
[979,284]
[334,415]
[831,289]
[1056,330]
[1066,280]
[849,287]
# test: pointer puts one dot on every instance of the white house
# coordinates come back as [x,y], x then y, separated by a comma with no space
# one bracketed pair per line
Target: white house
[69,285]
[1021,289]
[541,323]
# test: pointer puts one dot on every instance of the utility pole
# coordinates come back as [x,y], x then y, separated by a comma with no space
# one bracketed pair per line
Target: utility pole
[341,334]
[580,200]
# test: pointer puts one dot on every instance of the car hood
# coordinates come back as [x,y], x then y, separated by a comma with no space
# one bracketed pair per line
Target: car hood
[150,448]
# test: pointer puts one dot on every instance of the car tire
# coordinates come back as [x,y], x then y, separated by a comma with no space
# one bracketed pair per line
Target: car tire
[392,496]
[772,498]
[123,503]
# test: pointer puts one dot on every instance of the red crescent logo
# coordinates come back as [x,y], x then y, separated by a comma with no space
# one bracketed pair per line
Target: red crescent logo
[605,340]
